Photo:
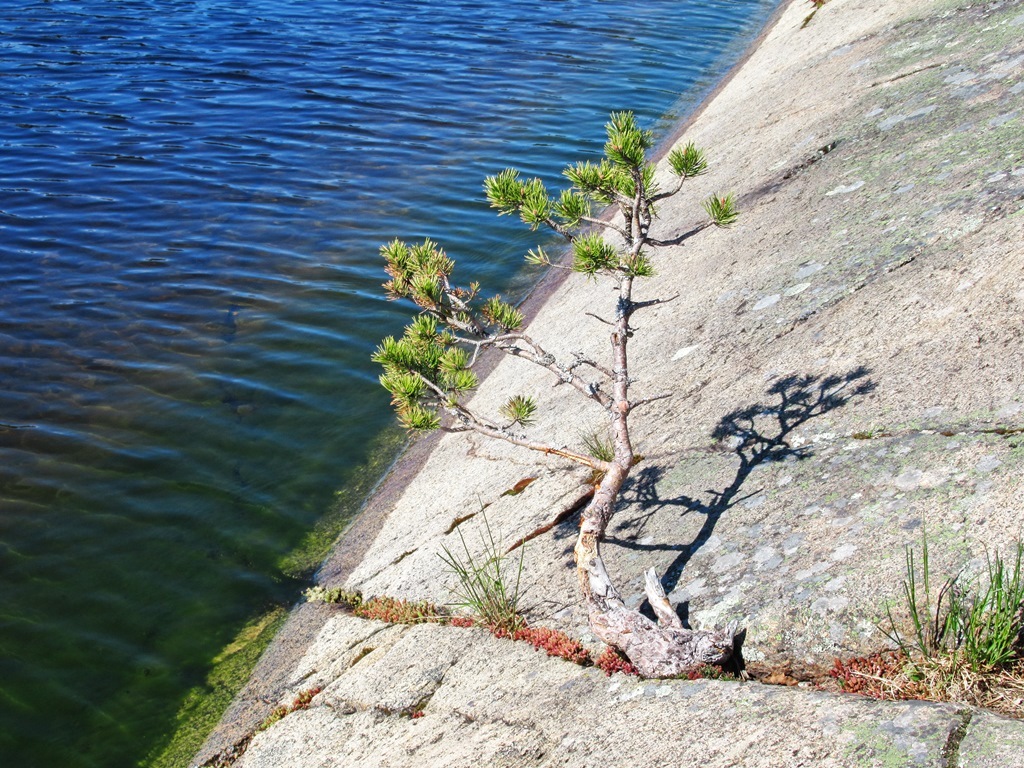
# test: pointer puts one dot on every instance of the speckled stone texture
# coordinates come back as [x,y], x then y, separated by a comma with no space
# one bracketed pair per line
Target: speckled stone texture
[492,702]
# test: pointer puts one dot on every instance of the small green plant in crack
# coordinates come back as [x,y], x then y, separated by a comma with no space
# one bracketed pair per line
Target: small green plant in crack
[381,608]
[981,622]
[872,433]
[708,672]
[487,584]
[601,448]
[991,621]
[598,446]
[965,646]
[928,626]
[302,701]
[332,595]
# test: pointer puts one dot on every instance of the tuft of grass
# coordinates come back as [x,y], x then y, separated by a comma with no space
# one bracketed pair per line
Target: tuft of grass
[598,446]
[962,643]
[991,622]
[487,585]
[930,621]
[601,448]
[981,623]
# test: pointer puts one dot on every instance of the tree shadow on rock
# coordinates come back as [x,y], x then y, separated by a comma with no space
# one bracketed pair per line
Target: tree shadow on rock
[757,434]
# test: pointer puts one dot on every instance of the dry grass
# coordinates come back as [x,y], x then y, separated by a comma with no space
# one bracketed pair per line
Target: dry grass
[894,676]
[487,584]
[963,643]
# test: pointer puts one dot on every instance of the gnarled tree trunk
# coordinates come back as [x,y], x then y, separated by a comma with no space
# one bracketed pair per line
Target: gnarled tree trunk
[664,649]
[667,648]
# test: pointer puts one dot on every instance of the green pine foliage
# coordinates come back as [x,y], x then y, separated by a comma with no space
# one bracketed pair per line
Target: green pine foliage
[519,409]
[572,207]
[427,369]
[638,266]
[722,210]
[600,182]
[627,145]
[688,161]
[591,254]
[502,314]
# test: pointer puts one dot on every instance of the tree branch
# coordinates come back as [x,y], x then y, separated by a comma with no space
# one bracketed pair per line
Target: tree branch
[659,601]
[472,326]
[537,355]
[663,195]
[565,375]
[580,360]
[559,229]
[638,199]
[479,344]
[501,434]
[607,225]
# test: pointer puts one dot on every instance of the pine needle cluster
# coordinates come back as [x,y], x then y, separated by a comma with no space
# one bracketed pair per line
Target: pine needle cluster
[427,370]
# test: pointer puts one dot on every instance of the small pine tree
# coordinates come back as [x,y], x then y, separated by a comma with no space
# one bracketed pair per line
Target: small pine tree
[429,369]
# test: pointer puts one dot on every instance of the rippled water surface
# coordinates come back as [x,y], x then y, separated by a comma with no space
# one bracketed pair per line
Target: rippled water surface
[192,193]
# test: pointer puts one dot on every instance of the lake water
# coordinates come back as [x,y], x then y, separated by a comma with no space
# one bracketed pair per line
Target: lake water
[192,195]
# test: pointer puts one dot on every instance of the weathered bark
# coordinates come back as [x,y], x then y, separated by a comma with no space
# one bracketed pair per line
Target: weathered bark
[664,649]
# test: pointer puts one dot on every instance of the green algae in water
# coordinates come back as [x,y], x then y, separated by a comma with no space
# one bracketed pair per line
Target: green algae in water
[204,705]
[316,545]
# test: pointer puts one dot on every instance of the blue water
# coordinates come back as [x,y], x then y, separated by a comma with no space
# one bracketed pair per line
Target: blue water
[192,194]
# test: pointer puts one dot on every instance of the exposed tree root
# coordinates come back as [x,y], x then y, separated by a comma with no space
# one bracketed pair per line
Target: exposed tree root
[665,649]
